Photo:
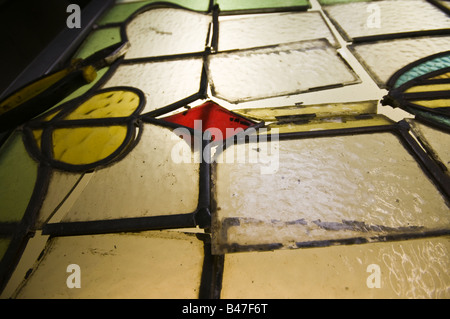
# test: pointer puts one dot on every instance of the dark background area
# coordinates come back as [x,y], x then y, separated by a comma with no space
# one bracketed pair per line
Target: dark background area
[26,28]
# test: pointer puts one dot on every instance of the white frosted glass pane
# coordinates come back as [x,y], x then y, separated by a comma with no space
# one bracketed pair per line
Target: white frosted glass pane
[167,31]
[275,71]
[270,29]
[359,19]
[322,189]
[140,265]
[163,83]
[384,58]
[147,182]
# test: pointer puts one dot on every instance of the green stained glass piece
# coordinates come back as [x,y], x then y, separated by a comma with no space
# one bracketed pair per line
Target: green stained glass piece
[237,5]
[426,67]
[97,40]
[121,12]
[18,173]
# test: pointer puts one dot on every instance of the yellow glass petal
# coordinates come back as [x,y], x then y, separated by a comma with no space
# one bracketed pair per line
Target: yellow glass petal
[87,145]
[429,88]
[31,91]
[433,103]
[106,105]
[37,134]
[441,76]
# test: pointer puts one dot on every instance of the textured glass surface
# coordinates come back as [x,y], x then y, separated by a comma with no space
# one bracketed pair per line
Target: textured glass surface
[357,19]
[163,83]
[18,173]
[144,265]
[436,141]
[328,2]
[384,58]
[424,68]
[167,31]
[275,71]
[121,12]
[262,30]
[322,189]
[147,182]
[238,5]
[409,269]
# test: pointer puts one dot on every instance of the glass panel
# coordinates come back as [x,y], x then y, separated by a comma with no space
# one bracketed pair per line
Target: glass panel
[437,142]
[160,176]
[319,110]
[61,185]
[357,19]
[18,173]
[262,30]
[408,269]
[329,2]
[163,83]
[121,12]
[426,67]
[87,145]
[382,59]
[276,71]
[97,40]
[160,32]
[285,193]
[238,5]
[141,265]
[4,244]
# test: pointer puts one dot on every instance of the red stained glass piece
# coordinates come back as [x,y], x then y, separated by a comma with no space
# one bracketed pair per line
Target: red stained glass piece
[211,116]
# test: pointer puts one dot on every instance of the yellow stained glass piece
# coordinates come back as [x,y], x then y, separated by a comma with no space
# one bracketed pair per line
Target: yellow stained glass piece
[30,91]
[429,88]
[433,103]
[107,104]
[441,76]
[86,145]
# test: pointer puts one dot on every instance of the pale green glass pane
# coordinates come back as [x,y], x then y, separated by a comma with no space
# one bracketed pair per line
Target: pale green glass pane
[167,31]
[277,71]
[18,173]
[329,188]
[382,59]
[97,40]
[141,265]
[243,32]
[163,83]
[424,68]
[121,12]
[160,176]
[362,19]
[4,244]
[238,5]
[408,269]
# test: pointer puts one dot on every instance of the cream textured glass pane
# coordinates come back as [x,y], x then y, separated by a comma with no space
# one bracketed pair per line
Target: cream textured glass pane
[163,83]
[242,6]
[262,30]
[167,31]
[358,19]
[276,71]
[384,58]
[408,269]
[437,141]
[143,265]
[322,189]
[147,182]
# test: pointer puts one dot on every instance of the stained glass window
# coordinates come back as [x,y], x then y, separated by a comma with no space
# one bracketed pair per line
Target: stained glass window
[234,149]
